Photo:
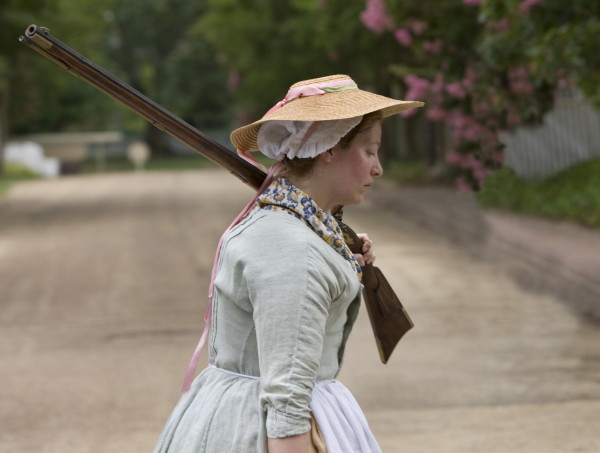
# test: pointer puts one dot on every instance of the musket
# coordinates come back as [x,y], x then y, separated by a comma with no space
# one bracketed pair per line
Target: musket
[388,317]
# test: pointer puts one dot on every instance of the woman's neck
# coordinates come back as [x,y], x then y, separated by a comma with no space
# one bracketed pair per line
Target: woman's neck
[315,189]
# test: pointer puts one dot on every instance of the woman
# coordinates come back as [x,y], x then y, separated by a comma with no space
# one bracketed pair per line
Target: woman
[285,298]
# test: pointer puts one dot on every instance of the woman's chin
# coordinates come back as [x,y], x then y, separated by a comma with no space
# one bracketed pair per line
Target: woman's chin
[358,199]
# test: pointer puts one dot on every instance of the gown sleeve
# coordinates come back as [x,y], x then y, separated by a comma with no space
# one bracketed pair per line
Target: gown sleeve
[291,287]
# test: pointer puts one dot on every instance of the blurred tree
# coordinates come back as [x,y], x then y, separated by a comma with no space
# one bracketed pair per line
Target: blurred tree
[485,66]
[13,14]
[44,97]
[561,41]
[270,44]
[152,47]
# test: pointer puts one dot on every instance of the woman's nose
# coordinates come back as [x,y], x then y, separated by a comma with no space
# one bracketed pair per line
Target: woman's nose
[377,169]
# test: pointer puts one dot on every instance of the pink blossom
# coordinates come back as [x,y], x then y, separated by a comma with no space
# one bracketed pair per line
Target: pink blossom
[403,36]
[433,47]
[471,133]
[233,80]
[457,119]
[436,113]
[562,80]
[470,161]
[521,86]
[457,135]
[526,5]
[464,127]
[469,79]
[519,81]
[501,25]
[468,134]
[462,185]
[454,158]
[498,157]
[417,87]
[513,119]
[333,56]
[481,108]
[375,16]
[472,2]
[438,84]
[480,175]
[417,26]
[456,90]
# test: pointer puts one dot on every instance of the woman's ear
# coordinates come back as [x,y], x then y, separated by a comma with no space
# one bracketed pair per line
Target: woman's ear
[327,156]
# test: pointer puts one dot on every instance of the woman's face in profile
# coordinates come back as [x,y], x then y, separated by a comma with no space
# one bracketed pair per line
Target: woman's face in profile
[355,168]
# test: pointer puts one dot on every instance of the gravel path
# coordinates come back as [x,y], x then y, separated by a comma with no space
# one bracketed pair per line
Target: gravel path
[102,291]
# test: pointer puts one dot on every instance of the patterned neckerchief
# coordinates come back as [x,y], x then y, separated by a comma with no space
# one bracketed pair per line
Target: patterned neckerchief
[282,195]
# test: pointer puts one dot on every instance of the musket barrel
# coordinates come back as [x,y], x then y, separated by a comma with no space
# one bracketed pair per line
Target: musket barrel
[40,40]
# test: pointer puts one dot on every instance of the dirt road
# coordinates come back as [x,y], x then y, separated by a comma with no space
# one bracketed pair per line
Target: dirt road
[102,292]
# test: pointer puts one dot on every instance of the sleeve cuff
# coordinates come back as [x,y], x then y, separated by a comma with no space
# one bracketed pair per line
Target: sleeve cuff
[280,424]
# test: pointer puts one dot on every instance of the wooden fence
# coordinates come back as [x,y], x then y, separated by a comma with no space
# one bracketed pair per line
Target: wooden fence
[570,134]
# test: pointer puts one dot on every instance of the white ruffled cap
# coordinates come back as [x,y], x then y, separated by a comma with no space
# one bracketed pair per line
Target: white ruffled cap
[279,139]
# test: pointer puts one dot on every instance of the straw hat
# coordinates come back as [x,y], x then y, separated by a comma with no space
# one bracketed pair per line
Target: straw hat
[326,98]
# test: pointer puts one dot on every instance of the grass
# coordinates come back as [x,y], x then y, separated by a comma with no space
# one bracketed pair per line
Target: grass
[4,186]
[12,174]
[406,172]
[572,194]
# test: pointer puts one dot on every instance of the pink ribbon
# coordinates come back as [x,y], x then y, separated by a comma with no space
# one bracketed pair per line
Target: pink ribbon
[309,90]
[191,370]
[312,89]
[248,157]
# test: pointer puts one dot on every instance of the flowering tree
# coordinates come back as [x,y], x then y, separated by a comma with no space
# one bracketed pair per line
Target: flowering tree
[486,66]
[269,45]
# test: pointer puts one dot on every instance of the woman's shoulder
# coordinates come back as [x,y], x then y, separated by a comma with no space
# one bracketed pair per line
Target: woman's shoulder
[268,237]
[276,230]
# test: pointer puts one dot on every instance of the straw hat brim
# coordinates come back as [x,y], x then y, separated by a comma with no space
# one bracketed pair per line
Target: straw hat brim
[328,106]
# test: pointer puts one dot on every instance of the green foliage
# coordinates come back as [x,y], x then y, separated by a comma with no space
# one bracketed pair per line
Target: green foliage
[146,44]
[214,62]
[407,172]
[561,41]
[154,49]
[272,44]
[15,15]
[47,98]
[572,194]
[14,173]
[43,96]
[490,65]
[4,186]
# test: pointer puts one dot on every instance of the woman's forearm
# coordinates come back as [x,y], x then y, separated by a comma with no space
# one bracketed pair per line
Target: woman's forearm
[292,444]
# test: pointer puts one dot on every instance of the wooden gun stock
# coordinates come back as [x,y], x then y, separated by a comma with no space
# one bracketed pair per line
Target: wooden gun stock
[388,318]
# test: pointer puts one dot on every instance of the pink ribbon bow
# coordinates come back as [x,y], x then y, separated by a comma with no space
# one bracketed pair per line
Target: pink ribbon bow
[310,90]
